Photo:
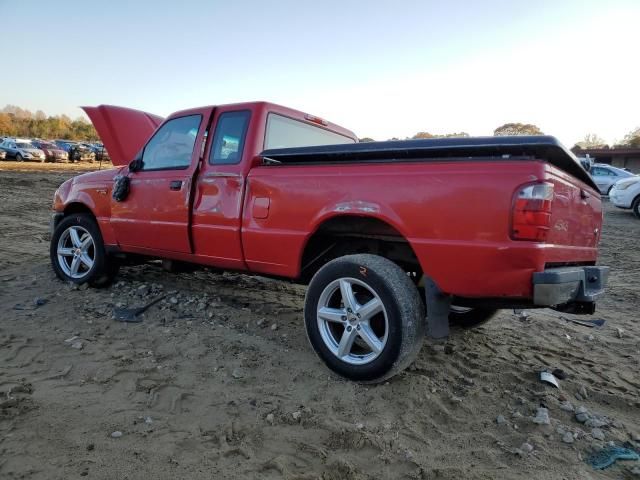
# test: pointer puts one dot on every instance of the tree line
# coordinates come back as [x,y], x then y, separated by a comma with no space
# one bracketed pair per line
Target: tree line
[591,140]
[18,122]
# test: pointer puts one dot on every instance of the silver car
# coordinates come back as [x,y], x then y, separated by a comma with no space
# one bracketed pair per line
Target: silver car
[606,176]
[22,150]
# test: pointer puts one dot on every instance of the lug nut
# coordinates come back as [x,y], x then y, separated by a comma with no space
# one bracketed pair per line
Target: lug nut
[349,328]
[344,318]
[358,327]
[358,315]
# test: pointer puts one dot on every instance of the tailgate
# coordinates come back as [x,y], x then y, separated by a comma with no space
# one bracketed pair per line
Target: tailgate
[576,212]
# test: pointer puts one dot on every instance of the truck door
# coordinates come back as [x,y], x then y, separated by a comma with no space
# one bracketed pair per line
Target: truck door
[155,215]
[217,206]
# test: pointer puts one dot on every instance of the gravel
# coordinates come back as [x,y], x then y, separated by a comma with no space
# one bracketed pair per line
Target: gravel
[568,437]
[597,434]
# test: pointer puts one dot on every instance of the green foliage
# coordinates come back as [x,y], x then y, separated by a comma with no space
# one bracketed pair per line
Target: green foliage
[591,140]
[510,129]
[631,139]
[17,122]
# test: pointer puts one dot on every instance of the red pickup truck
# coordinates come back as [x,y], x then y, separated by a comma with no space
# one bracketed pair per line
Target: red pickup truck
[381,232]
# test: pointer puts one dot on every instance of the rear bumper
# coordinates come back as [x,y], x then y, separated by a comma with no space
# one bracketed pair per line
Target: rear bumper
[560,286]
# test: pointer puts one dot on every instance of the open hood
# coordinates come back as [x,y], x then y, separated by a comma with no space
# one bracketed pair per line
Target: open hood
[123,131]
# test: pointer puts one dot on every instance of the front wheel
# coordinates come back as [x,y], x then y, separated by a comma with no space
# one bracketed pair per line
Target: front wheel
[364,317]
[19,158]
[77,252]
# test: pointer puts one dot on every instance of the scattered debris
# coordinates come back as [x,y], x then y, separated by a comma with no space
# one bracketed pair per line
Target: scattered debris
[566,406]
[296,415]
[542,417]
[560,374]
[237,373]
[77,345]
[526,447]
[549,378]
[500,419]
[607,456]
[270,418]
[585,323]
[568,437]
[130,315]
[619,332]
[116,434]
[597,434]
[274,326]
[39,301]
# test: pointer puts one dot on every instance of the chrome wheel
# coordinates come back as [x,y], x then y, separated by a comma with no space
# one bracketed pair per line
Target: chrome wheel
[76,252]
[352,321]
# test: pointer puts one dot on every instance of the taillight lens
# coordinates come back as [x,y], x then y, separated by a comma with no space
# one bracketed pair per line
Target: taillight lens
[531,218]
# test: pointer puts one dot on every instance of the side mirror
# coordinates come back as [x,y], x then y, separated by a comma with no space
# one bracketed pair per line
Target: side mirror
[135,165]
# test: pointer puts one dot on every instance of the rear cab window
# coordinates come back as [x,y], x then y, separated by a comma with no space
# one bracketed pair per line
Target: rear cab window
[285,132]
[229,137]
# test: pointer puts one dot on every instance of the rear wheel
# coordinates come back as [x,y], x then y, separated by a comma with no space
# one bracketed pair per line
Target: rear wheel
[77,252]
[466,317]
[19,158]
[364,317]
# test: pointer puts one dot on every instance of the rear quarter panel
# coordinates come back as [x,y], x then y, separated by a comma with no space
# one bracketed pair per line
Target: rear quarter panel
[455,214]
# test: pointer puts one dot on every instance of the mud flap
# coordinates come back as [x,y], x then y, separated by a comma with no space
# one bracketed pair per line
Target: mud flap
[438,305]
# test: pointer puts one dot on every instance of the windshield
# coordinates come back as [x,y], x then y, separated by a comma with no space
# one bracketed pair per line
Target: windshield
[24,145]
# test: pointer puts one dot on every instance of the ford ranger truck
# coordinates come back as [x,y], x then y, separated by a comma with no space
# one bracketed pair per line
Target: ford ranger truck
[395,240]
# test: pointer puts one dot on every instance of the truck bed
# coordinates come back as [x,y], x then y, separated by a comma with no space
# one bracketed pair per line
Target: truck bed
[530,147]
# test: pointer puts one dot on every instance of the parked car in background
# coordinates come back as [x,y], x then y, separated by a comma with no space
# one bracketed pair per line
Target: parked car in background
[626,194]
[53,152]
[605,176]
[3,155]
[76,150]
[102,154]
[21,150]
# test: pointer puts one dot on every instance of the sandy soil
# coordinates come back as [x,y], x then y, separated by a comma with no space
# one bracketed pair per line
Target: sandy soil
[222,383]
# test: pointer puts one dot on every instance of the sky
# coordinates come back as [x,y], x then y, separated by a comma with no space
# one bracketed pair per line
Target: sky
[380,68]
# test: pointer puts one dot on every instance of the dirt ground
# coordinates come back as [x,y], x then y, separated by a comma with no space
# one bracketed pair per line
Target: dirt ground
[223,384]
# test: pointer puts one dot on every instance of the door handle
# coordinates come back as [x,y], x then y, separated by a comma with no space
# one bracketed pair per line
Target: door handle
[175,185]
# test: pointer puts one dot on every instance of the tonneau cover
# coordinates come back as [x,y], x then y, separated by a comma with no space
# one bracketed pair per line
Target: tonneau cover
[543,147]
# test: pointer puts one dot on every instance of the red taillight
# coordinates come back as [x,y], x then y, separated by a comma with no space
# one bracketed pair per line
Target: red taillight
[531,216]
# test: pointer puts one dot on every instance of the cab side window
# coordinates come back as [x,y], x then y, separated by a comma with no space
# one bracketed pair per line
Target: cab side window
[229,137]
[171,147]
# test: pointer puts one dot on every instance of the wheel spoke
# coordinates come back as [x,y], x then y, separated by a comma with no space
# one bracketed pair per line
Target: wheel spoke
[65,252]
[87,241]
[75,264]
[348,298]
[370,309]
[346,342]
[75,238]
[86,260]
[332,314]
[371,339]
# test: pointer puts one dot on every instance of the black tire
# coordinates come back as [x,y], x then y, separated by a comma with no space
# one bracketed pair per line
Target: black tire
[404,312]
[19,158]
[104,268]
[472,317]
[635,207]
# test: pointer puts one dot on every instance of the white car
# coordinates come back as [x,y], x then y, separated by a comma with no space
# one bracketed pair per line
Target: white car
[626,194]
[22,150]
[605,176]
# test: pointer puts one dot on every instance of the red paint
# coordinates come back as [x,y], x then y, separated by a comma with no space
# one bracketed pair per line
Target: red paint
[456,216]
